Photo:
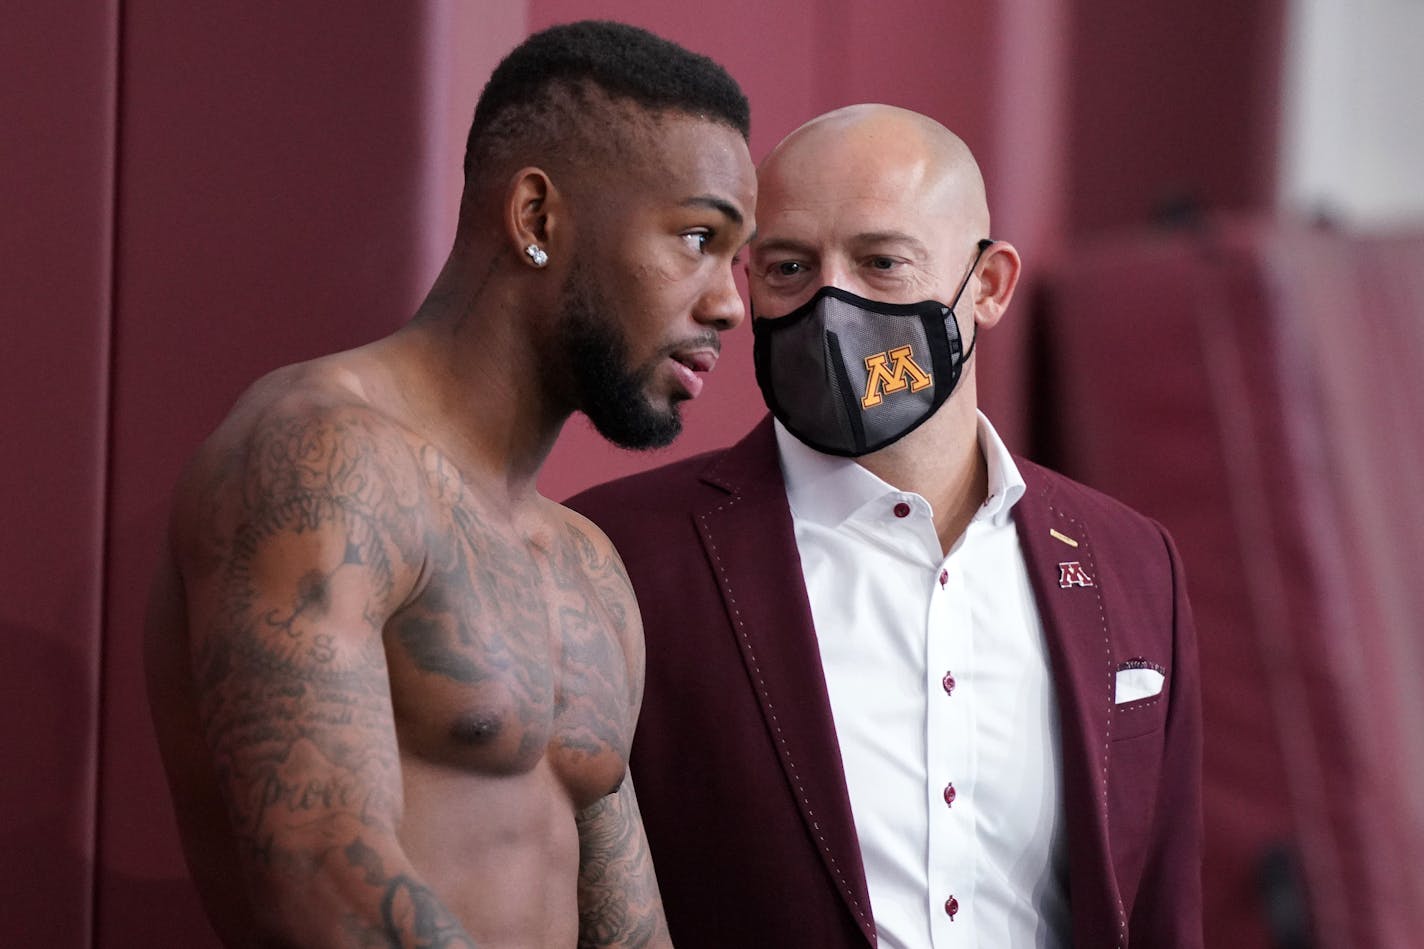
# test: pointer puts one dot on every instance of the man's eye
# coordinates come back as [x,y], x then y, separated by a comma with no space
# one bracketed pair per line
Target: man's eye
[882,263]
[787,268]
[698,240]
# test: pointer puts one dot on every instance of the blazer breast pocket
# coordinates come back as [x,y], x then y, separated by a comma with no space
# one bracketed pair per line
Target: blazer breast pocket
[1139,698]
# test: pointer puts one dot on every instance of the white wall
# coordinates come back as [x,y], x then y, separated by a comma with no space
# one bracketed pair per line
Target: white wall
[1353,132]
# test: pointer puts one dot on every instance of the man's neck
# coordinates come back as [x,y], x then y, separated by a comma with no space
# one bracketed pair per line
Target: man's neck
[942,462]
[468,377]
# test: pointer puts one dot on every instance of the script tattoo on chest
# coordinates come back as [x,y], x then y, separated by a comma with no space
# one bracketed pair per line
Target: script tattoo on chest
[477,638]
[519,634]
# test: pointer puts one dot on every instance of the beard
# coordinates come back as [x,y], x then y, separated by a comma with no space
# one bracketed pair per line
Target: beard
[612,395]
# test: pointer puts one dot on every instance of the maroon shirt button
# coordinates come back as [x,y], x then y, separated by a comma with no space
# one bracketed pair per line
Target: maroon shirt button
[943,578]
[949,794]
[948,683]
[951,906]
[902,509]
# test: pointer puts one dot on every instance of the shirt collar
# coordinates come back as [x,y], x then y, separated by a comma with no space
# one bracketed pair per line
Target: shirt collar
[827,489]
[1006,485]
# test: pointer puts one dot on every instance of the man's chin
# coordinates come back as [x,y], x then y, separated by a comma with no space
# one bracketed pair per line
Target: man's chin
[640,430]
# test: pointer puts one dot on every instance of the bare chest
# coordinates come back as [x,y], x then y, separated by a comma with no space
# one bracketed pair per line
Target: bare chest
[514,653]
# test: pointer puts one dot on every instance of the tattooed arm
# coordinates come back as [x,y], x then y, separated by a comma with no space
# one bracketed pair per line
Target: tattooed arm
[295,549]
[619,904]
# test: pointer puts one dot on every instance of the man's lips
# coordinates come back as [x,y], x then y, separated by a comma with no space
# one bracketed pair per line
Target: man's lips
[701,359]
[688,362]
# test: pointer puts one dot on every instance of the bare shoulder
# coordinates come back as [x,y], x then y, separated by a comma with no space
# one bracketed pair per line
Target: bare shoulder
[587,536]
[594,554]
[303,456]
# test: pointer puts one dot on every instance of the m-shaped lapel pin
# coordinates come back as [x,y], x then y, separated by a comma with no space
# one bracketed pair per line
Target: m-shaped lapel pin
[1070,573]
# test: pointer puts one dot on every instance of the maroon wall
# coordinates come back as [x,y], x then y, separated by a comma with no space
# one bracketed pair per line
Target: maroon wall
[56,163]
[1171,105]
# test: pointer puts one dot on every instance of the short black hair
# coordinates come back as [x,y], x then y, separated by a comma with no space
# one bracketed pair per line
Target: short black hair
[543,96]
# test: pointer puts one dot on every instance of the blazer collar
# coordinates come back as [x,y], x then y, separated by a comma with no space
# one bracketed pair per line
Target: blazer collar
[1063,570]
[751,544]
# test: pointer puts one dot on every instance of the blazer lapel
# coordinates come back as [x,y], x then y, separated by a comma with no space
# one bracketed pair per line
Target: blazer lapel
[751,544]
[1058,553]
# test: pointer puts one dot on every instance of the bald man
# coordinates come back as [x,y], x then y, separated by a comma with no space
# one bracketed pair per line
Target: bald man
[904,688]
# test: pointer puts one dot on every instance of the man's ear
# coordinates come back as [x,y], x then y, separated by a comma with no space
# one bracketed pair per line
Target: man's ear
[533,215]
[998,275]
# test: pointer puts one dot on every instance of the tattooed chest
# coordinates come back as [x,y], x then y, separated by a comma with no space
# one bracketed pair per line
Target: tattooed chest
[508,657]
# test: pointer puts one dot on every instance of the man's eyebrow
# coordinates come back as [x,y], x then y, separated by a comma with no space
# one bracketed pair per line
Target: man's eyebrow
[727,208]
[863,239]
[782,244]
[891,237]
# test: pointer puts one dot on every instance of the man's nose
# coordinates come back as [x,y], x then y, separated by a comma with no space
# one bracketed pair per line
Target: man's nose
[722,306]
[838,274]
[831,273]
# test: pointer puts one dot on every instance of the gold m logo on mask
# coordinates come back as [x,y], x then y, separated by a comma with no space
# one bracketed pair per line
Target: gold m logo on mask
[892,371]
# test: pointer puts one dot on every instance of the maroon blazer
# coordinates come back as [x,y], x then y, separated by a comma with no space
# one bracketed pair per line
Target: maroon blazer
[736,762]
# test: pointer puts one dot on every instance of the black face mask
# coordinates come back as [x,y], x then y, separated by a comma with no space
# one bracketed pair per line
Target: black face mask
[848,376]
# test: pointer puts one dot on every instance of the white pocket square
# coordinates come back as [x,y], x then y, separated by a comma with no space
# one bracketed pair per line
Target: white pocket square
[1138,679]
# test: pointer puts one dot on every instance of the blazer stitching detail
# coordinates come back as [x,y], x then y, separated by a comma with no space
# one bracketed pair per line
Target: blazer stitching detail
[1111,695]
[761,687]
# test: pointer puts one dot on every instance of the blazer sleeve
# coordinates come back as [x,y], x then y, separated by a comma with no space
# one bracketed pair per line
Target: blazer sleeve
[1167,911]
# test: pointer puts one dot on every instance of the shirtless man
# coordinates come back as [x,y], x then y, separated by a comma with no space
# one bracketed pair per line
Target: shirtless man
[393,685]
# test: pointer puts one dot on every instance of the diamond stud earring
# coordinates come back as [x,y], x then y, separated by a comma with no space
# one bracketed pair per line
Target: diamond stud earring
[537,255]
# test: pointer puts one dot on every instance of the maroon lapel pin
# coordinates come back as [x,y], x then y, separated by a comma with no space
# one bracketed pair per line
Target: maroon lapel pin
[1072,574]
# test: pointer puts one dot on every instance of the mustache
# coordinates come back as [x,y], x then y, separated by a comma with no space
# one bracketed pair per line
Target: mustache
[709,340]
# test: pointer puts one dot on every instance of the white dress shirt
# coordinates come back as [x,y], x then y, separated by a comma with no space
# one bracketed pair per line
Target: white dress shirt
[943,702]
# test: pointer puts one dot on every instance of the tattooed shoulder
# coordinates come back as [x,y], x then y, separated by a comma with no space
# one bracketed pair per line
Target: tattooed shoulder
[298,470]
[594,555]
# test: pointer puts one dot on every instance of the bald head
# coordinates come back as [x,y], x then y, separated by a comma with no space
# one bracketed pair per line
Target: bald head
[880,150]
